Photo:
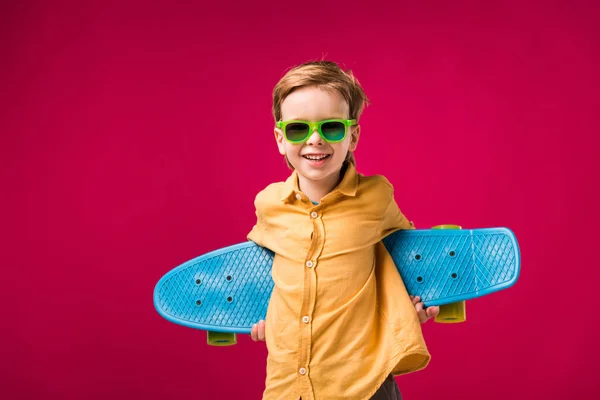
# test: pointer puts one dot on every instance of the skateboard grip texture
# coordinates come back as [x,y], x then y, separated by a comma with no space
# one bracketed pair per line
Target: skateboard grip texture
[445,266]
[226,290]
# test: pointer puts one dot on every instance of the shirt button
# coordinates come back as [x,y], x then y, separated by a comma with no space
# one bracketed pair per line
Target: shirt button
[305,319]
[302,371]
[309,264]
[298,196]
[314,214]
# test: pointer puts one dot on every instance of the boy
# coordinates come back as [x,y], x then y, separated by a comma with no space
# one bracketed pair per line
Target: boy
[339,323]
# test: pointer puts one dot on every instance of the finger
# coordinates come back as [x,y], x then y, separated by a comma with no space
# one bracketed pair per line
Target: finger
[254,332]
[415,299]
[427,313]
[419,307]
[261,330]
[432,311]
[421,312]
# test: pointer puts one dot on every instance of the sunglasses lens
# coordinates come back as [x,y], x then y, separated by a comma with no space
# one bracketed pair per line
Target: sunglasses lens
[333,131]
[296,131]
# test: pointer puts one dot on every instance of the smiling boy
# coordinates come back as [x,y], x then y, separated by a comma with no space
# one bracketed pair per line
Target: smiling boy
[339,323]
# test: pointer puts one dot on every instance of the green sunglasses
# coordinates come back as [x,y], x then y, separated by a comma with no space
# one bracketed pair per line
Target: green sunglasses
[331,130]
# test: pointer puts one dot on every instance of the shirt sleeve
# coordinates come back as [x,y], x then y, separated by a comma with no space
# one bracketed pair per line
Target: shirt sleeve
[393,219]
[257,234]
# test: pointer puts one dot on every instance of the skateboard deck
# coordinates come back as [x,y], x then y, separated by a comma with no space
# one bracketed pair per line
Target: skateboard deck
[228,290]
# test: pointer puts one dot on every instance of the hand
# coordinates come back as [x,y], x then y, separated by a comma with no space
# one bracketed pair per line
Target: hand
[425,314]
[258,331]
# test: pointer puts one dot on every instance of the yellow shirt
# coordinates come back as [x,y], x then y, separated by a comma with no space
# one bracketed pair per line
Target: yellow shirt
[339,320]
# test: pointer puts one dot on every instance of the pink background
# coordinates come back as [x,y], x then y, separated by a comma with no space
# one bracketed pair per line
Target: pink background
[135,136]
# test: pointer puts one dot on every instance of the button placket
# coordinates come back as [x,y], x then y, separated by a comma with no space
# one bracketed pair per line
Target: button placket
[310,283]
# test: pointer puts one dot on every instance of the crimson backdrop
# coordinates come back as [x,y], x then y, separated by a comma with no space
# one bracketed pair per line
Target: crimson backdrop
[135,135]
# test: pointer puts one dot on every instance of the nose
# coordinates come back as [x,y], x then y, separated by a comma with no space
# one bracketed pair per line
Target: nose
[314,138]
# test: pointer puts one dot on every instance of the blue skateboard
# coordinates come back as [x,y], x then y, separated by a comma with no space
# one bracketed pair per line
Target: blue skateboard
[226,291]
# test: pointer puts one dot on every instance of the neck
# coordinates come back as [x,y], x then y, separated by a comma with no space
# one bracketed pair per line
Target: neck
[316,190]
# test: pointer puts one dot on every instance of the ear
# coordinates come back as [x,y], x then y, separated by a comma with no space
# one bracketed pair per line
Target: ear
[280,141]
[354,135]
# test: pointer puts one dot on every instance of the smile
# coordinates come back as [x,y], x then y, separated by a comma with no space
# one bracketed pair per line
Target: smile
[316,157]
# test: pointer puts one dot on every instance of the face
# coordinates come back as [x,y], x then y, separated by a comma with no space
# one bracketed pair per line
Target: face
[317,162]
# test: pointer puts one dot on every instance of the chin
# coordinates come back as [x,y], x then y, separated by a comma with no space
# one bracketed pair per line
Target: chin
[317,175]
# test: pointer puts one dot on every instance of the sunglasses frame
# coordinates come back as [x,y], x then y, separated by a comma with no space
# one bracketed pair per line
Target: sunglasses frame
[315,125]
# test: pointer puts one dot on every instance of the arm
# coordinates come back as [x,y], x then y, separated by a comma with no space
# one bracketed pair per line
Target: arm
[394,220]
[257,236]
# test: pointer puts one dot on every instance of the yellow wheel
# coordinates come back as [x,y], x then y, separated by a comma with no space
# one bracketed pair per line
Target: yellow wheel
[454,312]
[220,338]
[447,227]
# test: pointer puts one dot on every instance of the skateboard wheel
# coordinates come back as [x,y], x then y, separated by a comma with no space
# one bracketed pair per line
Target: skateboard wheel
[220,338]
[454,312]
[447,227]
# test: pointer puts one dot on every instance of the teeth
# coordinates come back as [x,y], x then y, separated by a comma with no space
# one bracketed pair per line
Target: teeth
[316,158]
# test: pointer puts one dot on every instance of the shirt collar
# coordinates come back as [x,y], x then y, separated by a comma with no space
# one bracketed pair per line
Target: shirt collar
[348,186]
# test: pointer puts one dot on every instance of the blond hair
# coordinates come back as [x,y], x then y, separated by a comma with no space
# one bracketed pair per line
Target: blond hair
[326,75]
